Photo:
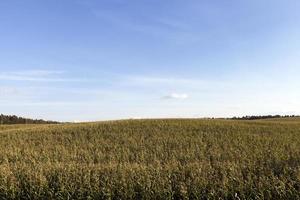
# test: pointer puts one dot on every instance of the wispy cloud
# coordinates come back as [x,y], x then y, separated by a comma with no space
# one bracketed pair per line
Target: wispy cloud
[125,21]
[179,96]
[163,80]
[38,72]
[181,82]
[38,76]
[8,91]
[172,29]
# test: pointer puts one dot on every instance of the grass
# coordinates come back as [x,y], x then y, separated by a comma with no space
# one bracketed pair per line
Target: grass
[152,159]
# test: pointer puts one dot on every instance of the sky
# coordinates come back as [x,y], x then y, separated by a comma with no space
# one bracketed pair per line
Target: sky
[90,60]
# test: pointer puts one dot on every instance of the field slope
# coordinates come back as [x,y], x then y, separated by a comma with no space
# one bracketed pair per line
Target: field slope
[152,159]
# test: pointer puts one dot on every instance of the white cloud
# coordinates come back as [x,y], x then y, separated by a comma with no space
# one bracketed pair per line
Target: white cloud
[168,28]
[159,80]
[176,96]
[163,80]
[37,75]
[31,75]
[8,91]
[37,72]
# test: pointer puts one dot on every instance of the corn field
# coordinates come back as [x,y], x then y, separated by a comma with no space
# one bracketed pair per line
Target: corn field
[152,159]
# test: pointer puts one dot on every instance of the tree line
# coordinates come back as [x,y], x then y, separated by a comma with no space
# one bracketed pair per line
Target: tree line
[255,117]
[13,119]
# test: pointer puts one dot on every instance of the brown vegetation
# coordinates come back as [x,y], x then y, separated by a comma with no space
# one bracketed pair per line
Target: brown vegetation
[152,159]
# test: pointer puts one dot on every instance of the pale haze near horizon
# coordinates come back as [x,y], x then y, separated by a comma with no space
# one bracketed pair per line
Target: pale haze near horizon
[88,60]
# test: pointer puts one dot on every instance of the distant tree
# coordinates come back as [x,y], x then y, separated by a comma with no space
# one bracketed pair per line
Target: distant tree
[262,117]
[13,119]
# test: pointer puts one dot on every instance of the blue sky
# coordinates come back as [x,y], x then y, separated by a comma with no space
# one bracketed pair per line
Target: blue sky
[85,60]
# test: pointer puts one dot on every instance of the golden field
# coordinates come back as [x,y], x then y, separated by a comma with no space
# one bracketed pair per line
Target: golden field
[152,159]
